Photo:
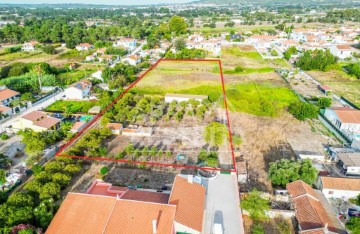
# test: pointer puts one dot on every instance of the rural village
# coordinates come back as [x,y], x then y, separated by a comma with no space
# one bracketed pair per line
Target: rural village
[202,117]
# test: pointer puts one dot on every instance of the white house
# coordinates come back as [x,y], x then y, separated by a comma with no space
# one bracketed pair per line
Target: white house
[78,90]
[29,46]
[349,163]
[7,96]
[169,97]
[126,42]
[84,47]
[115,128]
[139,131]
[336,187]
[132,60]
[345,119]
[341,51]
[37,121]
[5,112]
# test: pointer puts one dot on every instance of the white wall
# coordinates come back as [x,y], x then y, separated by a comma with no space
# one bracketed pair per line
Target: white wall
[73,93]
[182,228]
[333,193]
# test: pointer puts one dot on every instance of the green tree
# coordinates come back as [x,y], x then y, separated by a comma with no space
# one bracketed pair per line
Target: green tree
[285,171]
[354,225]
[180,44]
[72,168]
[50,190]
[302,110]
[257,228]
[44,213]
[324,102]
[49,49]
[61,179]
[54,166]
[237,141]
[215,134]
[2,176]
[20,199]
[33,186]
[43,177]
[177,25]
[256,205]
[104,170]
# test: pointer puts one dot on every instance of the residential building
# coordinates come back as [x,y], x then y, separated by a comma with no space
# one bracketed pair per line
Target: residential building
[126,42]
[37,121]
[84,47]
[325,89]
[5,112]
[78,126]
[135,130]
[339,187]
[169,97]
[345,119]
[262,41]
[79,90]
[132,60]
[312,211]
[115,128]
[7,96]
[341,51]
[30,46]
[111,209]
[349,163]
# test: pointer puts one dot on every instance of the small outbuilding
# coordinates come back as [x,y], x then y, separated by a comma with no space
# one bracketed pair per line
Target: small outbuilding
[94,110]
[115,128]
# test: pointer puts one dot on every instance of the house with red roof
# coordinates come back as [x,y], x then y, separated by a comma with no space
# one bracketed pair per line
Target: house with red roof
[30,46]
[132,59]
[37,121]
[312,211]
[84,47]
[105,208]
[7,96]
[346,119]
[341,51]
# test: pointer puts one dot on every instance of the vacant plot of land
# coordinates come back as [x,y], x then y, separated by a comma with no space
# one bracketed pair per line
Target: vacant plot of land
[341,83]
[71,106]
[76,75]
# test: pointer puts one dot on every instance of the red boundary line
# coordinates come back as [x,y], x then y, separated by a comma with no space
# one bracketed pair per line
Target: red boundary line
[59,152]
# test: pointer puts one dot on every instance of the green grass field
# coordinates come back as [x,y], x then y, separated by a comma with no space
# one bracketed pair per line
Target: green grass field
[70,77]
[71,106]
[18,55]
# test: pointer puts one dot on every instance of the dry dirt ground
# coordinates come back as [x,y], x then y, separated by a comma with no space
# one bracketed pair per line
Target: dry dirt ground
[267,139]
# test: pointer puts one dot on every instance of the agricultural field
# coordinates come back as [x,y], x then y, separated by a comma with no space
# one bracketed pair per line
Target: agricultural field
[341,83]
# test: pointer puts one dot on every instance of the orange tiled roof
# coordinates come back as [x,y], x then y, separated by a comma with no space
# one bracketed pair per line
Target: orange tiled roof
[312,211]
[47,122]
[4,109]
[83,214]
[343,47]
[7,93]
[114,126]
[85,45]
[348,115]
[146,196]
[352,184]
[78,125]
[34,116]
[190,201]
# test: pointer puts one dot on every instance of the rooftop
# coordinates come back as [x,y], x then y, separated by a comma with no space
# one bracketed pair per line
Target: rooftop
[337,183]
[4,109]
[47,122]
[347,114]
[349,159]
[7,93]
[78,125]
[34,116]
[312,211]
[114,126]
[343,47]
[84,84]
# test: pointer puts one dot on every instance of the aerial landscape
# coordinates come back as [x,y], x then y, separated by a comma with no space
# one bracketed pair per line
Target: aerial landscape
[201,117]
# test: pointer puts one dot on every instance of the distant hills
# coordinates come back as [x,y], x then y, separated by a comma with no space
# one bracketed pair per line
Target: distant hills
[276,2]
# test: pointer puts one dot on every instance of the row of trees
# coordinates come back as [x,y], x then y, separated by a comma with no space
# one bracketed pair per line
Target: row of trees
[186,53]
[35,205]
[306,110]
[137,153]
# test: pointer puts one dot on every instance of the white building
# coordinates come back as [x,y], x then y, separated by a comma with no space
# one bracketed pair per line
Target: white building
[5,112]
[169,97]
[126,42]
[349,163]
[132,60]
[7,96]
[84,47]
[336,187]
[341,51]
[29,46]
[78,90]
[345,119]
[115,128]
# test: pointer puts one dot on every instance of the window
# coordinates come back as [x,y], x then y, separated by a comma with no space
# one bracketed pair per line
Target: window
[331,192]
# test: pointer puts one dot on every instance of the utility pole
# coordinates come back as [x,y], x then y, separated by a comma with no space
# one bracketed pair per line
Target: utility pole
[38,71]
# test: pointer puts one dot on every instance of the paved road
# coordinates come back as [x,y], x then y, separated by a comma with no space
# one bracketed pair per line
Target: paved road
[37,106]
[222,204]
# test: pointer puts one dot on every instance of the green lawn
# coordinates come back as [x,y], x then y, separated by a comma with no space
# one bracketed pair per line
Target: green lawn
[71,106]
[18,55]
[250,70]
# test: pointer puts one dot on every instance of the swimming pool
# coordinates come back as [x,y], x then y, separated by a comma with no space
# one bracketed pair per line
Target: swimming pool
[86,118]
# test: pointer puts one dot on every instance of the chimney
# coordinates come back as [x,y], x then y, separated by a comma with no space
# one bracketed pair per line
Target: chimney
[326,230]
[154,224]
[190,179]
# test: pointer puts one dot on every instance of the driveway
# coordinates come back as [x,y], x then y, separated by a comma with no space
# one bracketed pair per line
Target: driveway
[222,205]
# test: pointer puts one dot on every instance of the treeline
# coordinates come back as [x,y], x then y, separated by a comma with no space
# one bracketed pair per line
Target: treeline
[186,54]
[354,69]
[316,60]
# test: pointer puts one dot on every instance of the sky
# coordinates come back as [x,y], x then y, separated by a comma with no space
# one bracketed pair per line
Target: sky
[102,2]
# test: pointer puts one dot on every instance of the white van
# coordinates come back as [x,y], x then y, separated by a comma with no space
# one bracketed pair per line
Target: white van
[217,229]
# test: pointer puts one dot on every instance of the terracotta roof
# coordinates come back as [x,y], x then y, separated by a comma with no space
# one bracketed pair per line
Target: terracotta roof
[83,214]
[134,57]
[7,93]
[146,196]
[319,231]
[343,47]
[190,201]
[4,109]
[85,45]
[298,188]
[347,114]
[325,87]
[137,218]
[34,116]
[47,122]
[114,126]
[351,184]
[78,125]
[312,211]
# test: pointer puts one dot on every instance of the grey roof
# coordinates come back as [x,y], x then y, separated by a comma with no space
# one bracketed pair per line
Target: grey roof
[350,159]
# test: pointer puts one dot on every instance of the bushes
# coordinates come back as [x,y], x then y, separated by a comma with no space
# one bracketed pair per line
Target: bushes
[210,159]
[354,69]
[186,54]
[302,110]
[49,49]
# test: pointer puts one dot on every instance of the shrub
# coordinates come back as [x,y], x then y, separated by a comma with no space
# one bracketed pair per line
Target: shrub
[302,110]
[4,136]
[104,170]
